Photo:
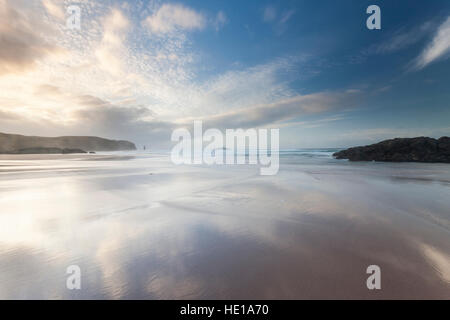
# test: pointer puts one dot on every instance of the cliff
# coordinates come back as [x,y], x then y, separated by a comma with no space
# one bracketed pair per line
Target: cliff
[13,143]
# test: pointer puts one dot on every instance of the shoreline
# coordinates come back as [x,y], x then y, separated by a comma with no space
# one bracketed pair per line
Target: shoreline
[308,232]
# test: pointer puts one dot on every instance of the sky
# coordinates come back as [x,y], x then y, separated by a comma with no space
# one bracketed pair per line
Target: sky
[138,70]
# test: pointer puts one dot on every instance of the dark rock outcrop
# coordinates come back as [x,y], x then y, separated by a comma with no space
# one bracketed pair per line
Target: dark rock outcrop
[14,142]
[420,149]
[66,151]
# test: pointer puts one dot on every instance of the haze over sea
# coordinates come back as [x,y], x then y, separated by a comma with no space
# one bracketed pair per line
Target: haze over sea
[141,227]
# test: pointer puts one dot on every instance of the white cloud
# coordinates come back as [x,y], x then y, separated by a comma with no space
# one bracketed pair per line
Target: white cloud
[22,42]
[54,9]
[439,48]
[118,80]
[172,17]
[111,50]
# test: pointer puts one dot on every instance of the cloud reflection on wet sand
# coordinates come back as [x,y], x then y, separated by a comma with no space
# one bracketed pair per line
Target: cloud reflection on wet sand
[222,232]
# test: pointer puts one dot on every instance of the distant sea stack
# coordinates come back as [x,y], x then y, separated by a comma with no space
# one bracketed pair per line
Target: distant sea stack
[420,149]
[15,143]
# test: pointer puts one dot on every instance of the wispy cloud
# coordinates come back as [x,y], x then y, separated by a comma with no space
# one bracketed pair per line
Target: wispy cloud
[175,17]
[438,48]
[269,14]
[117,79]
[283,110]
[278,18]
[220,20]
[286,15]
[111,49]
[400,39]
[54,8]
[376,134]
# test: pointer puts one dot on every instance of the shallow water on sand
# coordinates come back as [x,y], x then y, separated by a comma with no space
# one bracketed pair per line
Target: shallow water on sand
[141,227]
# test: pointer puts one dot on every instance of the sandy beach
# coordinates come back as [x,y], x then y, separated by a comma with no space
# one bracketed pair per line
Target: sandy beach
[141,227]
[224,150]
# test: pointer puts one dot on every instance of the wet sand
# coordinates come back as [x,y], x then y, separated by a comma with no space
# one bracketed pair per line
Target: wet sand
[144,228]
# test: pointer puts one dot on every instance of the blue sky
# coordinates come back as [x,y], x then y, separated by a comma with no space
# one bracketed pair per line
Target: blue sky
[139,69]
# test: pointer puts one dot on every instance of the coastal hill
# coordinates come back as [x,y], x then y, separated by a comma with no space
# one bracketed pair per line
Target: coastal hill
[420,149]
[15,143]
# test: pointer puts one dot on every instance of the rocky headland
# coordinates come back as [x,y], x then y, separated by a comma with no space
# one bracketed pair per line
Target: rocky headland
[19,144]
[420,149]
